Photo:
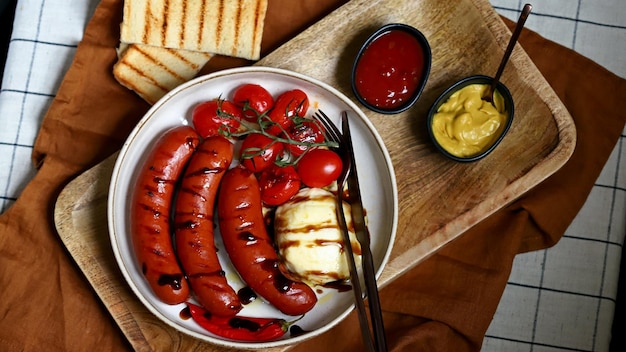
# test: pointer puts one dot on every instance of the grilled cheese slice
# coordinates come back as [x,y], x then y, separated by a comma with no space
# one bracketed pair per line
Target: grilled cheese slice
[153,71]
[227,27]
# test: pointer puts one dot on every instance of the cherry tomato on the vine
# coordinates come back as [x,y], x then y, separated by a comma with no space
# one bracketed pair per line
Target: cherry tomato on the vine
[319,167]
[215,116]
[258,151]
[253,99]
[279,184]
[305,131]
[288,105]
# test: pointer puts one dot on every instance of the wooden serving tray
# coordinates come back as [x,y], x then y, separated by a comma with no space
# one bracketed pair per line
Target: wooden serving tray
[438,199]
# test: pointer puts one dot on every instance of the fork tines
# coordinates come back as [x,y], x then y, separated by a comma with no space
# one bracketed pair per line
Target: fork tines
[333,134]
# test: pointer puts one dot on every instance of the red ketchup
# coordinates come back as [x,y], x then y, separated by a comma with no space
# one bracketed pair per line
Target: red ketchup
[390,69]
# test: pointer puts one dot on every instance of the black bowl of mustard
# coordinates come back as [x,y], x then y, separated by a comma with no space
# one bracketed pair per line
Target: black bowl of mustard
[466,128]
[391,68]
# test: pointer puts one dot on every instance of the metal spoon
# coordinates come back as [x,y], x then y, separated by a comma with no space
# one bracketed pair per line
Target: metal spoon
[488,96]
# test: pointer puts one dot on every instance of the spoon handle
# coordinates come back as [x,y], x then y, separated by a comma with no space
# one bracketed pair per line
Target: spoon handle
[518,29]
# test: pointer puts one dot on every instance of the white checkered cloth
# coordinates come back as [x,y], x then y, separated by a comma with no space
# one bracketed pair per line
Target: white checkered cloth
[560,299]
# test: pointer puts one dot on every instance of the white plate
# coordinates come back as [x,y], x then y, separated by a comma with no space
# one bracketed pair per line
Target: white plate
[376,176]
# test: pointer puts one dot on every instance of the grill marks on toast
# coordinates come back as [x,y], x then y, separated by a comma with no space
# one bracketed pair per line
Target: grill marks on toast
[165,14]
[220,26]
[259,17]
[201,21]
[228,27]
[238,24]
[152,59]
[135,77]
[184,20]
[153,71]
[169,41]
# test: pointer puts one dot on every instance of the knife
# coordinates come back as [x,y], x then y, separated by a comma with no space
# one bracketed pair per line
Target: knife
[362,235]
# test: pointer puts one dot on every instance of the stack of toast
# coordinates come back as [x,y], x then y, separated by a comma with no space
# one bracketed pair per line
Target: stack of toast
[164,43]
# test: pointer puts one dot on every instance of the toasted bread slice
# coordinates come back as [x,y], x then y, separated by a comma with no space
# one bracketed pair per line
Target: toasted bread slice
[227,27]
[153,71]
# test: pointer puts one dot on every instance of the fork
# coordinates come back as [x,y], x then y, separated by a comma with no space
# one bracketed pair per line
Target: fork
[333,134]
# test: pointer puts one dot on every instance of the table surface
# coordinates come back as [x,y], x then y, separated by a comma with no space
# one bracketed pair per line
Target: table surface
[549,303]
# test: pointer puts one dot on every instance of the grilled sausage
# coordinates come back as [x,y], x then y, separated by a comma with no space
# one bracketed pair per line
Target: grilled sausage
[250,248]
[150,213]
[194,233]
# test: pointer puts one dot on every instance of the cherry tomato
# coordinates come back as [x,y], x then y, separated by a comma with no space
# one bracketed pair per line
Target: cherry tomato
[288,105]
[319,167]
[258,152]
[279,184]
[215,116]
[306,131]
[253,99]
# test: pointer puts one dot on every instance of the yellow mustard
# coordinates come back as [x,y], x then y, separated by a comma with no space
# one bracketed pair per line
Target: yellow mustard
[465,125]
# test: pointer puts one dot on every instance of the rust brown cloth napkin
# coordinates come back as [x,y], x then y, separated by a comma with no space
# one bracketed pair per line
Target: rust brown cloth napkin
[444,304]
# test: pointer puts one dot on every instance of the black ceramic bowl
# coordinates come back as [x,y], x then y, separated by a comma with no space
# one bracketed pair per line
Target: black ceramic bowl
[391,68]
[508,108]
